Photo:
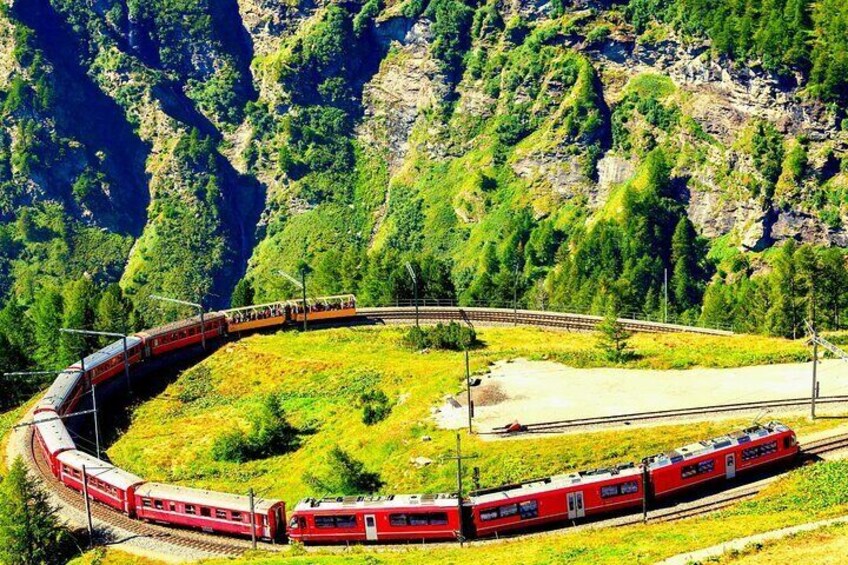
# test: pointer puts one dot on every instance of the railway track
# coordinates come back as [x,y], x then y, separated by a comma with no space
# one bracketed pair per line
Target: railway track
[557,426]
[505,316]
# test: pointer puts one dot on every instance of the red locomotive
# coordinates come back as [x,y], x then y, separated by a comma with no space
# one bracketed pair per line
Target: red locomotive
[376,518]
[720,458]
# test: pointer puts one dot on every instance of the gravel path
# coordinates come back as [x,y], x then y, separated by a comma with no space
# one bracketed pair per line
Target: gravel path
[540,391]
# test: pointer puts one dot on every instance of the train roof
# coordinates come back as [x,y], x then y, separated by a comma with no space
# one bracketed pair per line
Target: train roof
[102,355]
[180,324]
[536,486]
[213,499]
[53,432]
[442,500]
[716,444]
[60,390]
[99,469]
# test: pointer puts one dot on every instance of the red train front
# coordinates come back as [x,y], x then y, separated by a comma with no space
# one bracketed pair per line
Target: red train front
[723,457]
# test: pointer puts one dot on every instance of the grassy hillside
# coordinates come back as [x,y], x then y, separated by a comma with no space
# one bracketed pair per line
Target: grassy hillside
[320,378]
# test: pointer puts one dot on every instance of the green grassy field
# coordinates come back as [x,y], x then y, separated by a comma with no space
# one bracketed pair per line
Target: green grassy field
[320,376]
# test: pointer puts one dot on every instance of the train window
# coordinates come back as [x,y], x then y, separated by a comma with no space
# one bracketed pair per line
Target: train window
[629,487]
[528,509]
[759,451]
[189,509]
[418,520]
[397,520]
[438,519]
[205,512]
[788,442]
[509,510]
[293,523]
[489,514]
[145,502]
[695,469]
[325,522]
[346,521]
[609,491]
[221,514]
[236,516]
[172,506]
[158,504]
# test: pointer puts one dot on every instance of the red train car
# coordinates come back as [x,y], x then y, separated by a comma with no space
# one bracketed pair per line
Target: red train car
[183,333]
[556,499]
[53,437]
[213,512]
[376,518]
[64,394]
[105,363]
[721,458]
[106,483]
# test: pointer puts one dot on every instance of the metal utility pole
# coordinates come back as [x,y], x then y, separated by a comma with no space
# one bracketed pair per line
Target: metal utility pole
[415,285]
[301,284]
[197,305]
[96,424]
[458,457]
[250,495]
[665,295]
[87,506]
[815,378]
[123,337]
[468,388]
[646,480]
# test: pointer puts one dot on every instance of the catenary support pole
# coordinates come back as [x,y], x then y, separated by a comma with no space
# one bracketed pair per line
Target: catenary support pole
[251,495]
[305,307]
[468,387]
[96,423]
[87,505]
[127,366]
[459,487]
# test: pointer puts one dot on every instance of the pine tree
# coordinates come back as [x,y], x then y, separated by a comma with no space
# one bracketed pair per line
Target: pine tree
[613,339]
[243,294]
[80,298]
[684,280]
[46,313]
[30,532]
[113,311]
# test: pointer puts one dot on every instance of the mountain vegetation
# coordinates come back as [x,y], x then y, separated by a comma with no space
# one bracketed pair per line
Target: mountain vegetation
[685,158]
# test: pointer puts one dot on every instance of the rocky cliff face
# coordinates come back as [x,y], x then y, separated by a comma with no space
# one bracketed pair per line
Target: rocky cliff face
[249,133]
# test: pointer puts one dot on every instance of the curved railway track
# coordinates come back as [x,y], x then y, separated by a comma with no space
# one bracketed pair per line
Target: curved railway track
[506,316]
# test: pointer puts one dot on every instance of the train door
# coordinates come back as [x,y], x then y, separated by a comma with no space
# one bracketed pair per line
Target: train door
[730,465]
[370,528]
[575,505]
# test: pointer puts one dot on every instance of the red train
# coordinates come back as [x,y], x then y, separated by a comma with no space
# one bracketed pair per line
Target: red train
[394,518]
[376,518]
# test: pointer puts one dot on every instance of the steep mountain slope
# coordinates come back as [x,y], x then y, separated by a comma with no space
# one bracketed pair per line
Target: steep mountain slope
[568,151]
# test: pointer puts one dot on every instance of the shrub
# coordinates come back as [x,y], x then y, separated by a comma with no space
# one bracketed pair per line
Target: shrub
[344,475]
[612,339]
[452,336]
[375,407]
[270,434]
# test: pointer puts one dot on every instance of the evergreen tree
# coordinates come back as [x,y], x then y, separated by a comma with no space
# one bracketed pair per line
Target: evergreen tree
[613,339]
[684,280]
[80,299]
[113,312]
[46,314]
[29,528]
[242,294]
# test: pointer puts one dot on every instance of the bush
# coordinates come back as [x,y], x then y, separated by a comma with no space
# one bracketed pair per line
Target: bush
[375,407]
[344,475]
[270,434]
[453,336]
